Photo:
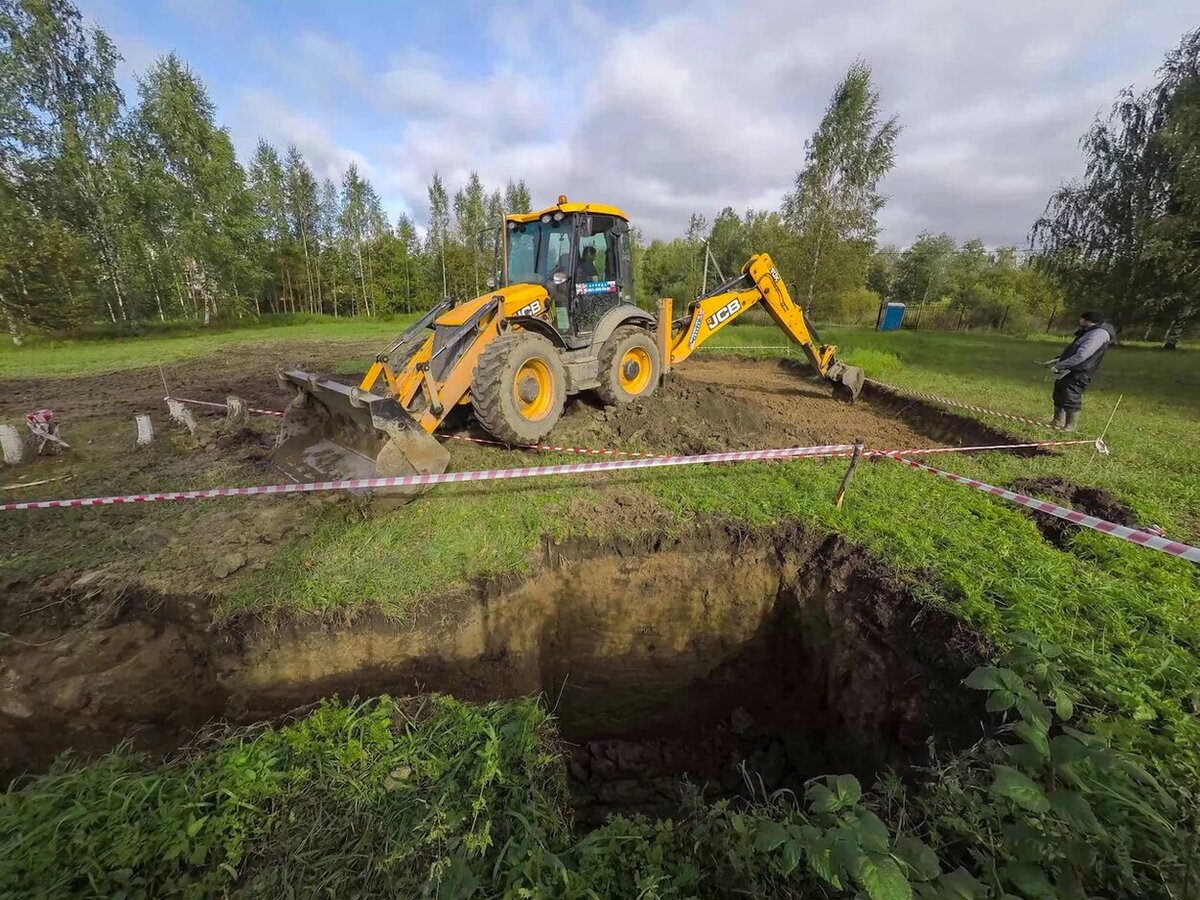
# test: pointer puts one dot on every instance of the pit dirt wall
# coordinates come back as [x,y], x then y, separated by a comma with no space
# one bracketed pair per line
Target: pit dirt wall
[691,656]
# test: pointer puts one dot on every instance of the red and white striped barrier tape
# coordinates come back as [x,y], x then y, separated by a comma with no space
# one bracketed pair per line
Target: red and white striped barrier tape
[1125,533]
[250,409]
[1100,446]
[1155,541]
[352,484]
[946,401]
[550,448]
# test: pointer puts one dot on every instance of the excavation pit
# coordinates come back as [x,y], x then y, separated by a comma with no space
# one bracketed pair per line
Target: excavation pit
[774,652]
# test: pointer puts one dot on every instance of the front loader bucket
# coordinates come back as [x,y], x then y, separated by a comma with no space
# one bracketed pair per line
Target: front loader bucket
[847,380]
[333,431]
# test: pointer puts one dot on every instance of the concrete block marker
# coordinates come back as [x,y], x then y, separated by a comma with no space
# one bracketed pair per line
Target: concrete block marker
[237,412]
[182,415]
[145,429]
[13,445]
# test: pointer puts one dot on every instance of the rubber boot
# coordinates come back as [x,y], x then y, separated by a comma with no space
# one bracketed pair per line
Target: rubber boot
[1072,420]
[1060,418]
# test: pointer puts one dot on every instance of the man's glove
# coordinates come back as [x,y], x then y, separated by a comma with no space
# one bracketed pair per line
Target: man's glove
[1059,373]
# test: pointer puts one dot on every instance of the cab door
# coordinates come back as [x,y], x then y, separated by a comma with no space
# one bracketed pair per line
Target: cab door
[601,279]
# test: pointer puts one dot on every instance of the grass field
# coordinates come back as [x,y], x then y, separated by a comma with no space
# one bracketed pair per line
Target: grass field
[1124,617]
[89,356]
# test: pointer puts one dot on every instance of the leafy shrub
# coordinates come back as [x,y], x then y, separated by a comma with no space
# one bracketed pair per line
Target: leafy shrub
[433,797]
[857,306]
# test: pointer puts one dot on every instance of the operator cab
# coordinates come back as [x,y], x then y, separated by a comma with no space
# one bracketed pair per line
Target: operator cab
[580,253]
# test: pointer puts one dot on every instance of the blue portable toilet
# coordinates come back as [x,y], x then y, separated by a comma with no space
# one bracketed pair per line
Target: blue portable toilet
[891,316]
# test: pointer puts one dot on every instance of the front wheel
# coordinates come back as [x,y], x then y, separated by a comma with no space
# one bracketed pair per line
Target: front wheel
[630,366]
[519,387]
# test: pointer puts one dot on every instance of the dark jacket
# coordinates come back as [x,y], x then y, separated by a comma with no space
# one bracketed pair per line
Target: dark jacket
[1082,356]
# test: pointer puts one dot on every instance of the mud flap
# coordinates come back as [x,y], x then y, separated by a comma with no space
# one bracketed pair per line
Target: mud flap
[332,431]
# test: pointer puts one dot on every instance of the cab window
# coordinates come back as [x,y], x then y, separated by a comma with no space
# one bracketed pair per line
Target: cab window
[597,260]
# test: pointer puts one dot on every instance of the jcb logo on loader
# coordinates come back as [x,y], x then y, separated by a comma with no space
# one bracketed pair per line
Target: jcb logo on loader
[533,309]
[719,317]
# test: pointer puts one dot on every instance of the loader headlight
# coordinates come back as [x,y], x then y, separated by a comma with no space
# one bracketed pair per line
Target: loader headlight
[559,277]
[558,216]
[546,219]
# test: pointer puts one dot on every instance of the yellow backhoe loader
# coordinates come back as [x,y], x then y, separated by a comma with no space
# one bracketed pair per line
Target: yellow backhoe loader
[560,318]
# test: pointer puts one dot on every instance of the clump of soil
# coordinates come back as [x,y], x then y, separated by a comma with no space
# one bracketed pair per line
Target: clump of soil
[684,416]
[1091,500]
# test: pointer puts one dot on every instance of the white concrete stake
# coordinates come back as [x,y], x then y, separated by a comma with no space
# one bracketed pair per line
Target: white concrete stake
[12,444]
[236,411]
[182,415]
[145,429]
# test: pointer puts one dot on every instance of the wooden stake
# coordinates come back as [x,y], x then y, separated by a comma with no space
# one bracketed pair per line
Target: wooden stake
[841,492]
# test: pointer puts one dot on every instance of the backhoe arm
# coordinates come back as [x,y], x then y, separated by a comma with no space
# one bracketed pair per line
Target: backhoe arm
[759,282]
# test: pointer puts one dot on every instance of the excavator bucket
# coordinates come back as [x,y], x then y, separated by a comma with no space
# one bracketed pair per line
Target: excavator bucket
[847,380]
[333,431]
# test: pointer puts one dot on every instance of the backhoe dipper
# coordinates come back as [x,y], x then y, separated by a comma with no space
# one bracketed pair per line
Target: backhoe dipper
[559,319]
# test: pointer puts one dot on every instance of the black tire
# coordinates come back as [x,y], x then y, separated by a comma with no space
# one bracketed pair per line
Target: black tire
[628,340]
[495,397]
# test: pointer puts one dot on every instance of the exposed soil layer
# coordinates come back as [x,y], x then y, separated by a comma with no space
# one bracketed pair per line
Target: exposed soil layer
[791,654]
[1091,500]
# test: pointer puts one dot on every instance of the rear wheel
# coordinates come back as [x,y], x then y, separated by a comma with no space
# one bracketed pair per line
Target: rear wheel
[519,387]
[630,366]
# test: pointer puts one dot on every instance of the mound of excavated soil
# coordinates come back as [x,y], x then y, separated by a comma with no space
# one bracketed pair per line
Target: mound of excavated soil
[723,403]
[1091,500]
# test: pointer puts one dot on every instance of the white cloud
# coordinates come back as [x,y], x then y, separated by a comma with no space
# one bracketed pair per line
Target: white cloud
[258,113]
[667,111]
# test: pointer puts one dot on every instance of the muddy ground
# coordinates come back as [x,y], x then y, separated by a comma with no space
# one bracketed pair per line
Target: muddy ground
[652,653]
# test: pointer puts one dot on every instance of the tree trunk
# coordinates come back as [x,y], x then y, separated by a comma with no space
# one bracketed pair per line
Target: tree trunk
[320,297]
[307,268]
[362,278]
[1174,332]
[812,278]
[445,287]
[287,281]
[14,323]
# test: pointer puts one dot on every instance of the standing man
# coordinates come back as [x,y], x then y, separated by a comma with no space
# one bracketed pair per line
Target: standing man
[1074,367]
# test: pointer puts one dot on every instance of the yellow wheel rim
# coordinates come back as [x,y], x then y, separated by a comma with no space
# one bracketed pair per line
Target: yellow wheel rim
[635,370]
[533,389]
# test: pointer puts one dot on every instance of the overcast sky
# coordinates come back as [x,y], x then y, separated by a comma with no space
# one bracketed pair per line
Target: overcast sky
[665,108]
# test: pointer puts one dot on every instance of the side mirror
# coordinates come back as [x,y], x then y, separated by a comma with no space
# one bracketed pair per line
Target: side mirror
[620,227]
[491,282]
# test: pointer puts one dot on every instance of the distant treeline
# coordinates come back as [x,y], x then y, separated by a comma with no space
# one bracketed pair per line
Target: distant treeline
[122,212]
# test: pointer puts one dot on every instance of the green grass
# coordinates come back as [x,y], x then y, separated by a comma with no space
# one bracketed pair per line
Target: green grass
[87,356]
